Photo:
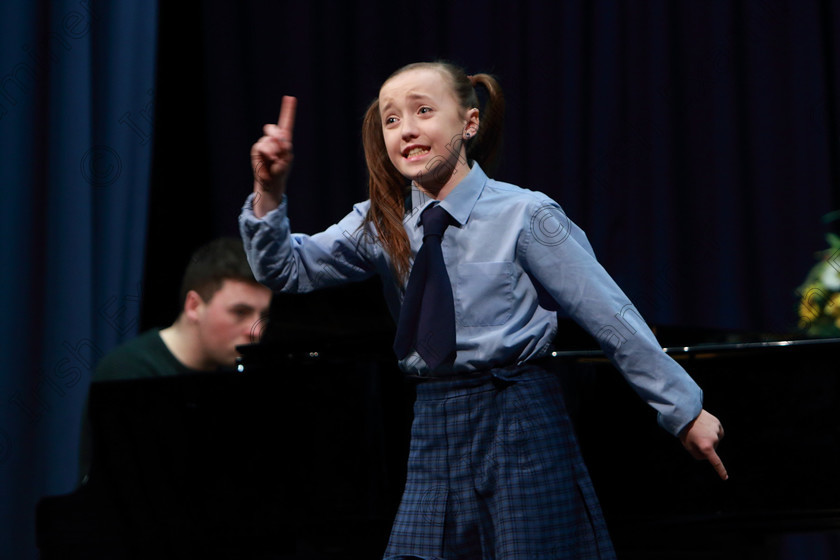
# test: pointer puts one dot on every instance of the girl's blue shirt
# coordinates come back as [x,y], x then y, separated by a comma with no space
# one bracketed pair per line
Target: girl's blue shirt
[514,259]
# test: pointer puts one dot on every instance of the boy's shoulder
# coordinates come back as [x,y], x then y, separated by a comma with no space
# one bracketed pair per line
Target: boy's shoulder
[145,355]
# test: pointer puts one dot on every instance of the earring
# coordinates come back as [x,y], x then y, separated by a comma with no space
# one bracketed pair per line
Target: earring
[467,135]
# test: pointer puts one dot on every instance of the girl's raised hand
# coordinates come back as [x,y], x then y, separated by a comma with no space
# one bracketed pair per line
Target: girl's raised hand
[271,159]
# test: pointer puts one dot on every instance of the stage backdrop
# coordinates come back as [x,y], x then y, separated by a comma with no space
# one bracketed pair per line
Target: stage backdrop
[695,142]
[76,90]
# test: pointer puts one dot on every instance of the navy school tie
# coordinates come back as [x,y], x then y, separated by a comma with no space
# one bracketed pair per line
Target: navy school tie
[427,316]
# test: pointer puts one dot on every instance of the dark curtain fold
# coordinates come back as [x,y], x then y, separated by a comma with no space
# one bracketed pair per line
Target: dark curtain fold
[76,90]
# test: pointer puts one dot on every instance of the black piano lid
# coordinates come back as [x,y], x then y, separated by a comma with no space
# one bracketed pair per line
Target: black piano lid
[716,348]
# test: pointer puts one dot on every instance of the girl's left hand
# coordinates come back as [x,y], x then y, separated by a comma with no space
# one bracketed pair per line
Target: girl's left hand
[701,438]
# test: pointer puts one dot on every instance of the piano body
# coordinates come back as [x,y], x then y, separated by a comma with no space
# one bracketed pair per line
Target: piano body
[778,402]
[302,453]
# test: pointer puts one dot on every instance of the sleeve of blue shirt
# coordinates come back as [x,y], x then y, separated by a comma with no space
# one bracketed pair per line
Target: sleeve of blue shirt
[557,255]
[299,263]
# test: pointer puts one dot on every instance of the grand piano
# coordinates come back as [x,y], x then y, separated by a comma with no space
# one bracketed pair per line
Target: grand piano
[300,453]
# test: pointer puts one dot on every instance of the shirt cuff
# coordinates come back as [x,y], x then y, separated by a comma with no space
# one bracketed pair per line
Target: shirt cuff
[251,223]
[682,416]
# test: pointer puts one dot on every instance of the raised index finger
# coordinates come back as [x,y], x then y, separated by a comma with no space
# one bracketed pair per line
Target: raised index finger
[286,122]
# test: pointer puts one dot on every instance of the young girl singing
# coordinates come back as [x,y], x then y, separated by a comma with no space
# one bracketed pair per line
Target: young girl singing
[474,271]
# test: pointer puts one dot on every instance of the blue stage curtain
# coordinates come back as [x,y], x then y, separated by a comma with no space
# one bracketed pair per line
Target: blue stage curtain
[76,96]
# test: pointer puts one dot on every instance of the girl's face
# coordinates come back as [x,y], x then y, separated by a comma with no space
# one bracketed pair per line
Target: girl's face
[424,126]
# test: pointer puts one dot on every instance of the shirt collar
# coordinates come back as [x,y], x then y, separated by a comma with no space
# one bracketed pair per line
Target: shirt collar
[458,203]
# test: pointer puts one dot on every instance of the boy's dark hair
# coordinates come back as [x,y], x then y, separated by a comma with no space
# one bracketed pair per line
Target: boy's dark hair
[213,263]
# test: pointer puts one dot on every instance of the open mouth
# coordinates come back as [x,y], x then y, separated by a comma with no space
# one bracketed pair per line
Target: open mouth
[415,151]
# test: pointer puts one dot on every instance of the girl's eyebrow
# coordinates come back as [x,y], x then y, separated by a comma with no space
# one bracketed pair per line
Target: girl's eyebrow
[419,96]
[412,96]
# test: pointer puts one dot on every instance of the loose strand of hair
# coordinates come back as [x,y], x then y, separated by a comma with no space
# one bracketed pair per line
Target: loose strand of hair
[387,193]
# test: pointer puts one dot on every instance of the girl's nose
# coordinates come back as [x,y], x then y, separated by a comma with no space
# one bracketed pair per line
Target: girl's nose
[409,128]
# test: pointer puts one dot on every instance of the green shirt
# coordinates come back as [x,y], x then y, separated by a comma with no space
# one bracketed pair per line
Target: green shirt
[143,356]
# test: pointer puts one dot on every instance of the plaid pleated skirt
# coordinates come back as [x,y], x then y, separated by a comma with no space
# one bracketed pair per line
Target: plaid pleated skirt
[495,472]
